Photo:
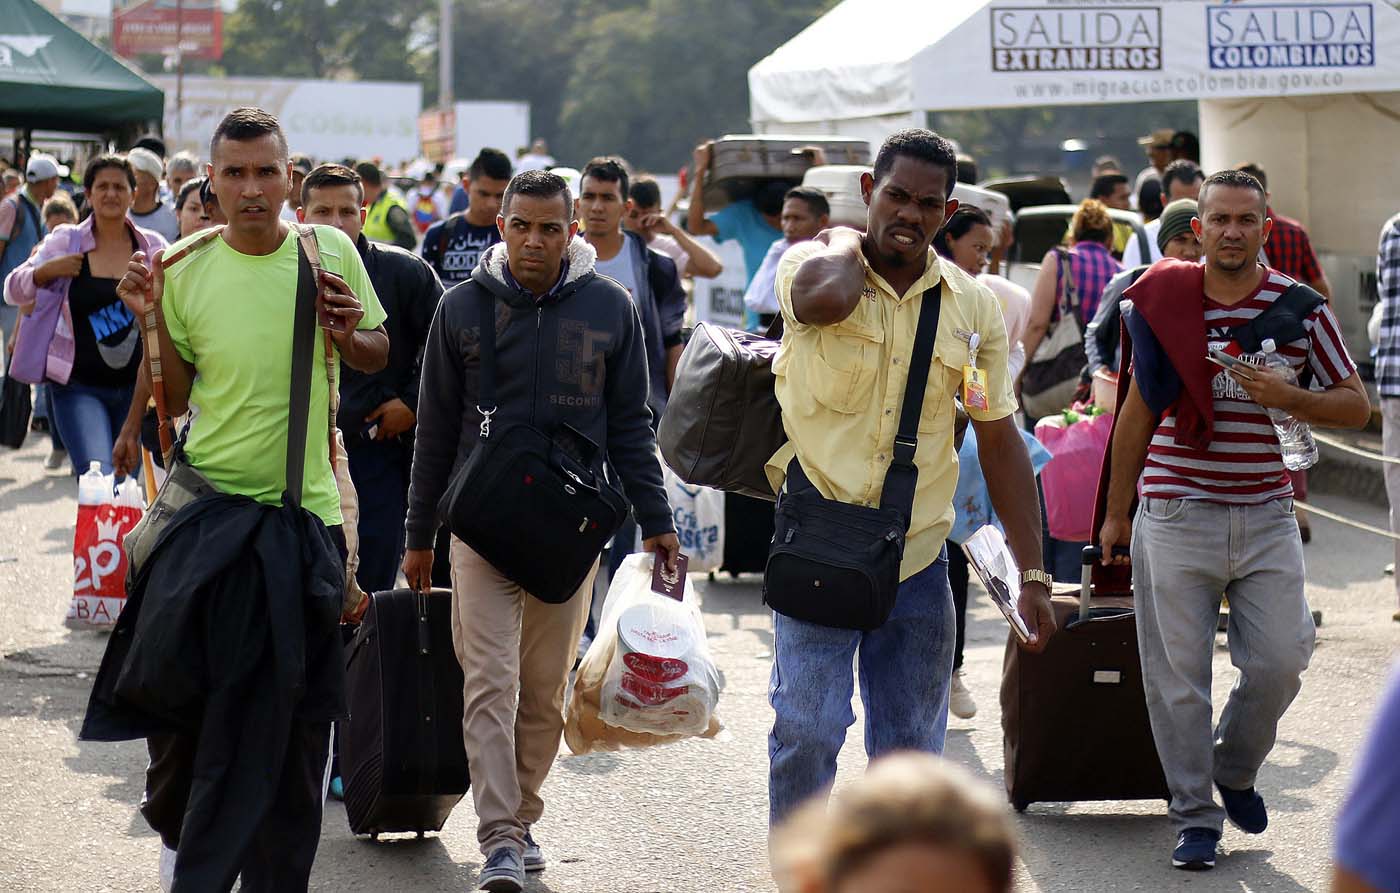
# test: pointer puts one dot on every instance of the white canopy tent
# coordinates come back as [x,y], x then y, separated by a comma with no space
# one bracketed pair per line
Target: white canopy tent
[1310,90]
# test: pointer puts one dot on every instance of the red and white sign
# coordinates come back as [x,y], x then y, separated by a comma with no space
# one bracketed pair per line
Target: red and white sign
[144,27]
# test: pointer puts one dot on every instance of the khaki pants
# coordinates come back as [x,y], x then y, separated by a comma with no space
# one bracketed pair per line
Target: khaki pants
[510,643]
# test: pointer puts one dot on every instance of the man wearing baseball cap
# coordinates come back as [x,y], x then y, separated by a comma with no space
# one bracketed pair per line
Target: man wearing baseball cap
[147,208]
[22,224]
[1158,146]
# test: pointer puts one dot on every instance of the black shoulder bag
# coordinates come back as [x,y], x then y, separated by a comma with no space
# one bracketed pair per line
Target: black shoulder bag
[538,507]
[837,564]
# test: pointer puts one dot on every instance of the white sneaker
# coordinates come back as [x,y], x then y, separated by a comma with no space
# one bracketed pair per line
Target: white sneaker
[167,868]
[960,700]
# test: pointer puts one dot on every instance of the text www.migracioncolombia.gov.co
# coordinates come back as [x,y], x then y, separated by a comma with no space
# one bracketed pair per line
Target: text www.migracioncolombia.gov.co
[1180,87]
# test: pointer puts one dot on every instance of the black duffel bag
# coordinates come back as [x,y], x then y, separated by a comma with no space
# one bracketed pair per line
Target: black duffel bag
[538,507]
[836,564]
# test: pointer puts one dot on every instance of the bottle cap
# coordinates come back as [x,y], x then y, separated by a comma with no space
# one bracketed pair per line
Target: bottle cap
[1269,345]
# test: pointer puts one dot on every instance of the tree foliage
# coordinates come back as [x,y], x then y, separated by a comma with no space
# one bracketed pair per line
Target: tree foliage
[640,78]
[361,39]
[645,79]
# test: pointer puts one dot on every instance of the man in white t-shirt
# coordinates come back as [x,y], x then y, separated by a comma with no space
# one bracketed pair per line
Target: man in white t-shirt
[645,218]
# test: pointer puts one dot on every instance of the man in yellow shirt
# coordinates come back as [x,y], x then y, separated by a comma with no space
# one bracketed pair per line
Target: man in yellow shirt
[850,304]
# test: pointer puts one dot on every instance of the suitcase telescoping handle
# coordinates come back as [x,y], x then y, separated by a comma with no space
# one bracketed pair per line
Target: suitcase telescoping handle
[1090,556]
[424,638]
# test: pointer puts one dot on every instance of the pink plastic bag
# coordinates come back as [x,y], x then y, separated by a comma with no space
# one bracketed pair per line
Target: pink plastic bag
[1071,480]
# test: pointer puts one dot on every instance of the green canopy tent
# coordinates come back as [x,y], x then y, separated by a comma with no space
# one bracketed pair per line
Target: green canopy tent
[52,78]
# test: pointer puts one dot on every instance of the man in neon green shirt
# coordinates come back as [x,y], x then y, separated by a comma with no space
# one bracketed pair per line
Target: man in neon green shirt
[225,310]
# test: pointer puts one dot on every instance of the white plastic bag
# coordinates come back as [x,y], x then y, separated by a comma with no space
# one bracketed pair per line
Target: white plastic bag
[648,678]
[699,517]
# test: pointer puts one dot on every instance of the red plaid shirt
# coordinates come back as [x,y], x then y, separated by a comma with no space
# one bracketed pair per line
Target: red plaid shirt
[1290,250]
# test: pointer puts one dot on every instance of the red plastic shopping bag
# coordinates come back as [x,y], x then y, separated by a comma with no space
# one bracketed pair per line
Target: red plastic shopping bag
[106,513]
[1071,478]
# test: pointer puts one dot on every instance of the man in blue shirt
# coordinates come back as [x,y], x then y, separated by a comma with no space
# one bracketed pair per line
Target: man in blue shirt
[753,222]
[806,212]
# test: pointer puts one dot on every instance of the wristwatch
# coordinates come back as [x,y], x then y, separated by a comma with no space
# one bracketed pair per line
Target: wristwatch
[1036,576]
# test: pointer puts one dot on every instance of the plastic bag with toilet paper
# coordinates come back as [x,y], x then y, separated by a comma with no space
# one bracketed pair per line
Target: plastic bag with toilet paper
[648,678]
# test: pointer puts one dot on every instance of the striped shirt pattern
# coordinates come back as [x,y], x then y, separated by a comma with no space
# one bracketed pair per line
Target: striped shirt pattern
[1388,290]
[1243,464]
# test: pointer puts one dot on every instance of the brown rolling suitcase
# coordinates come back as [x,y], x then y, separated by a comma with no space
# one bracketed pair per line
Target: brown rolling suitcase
[739,164]
[1074,717]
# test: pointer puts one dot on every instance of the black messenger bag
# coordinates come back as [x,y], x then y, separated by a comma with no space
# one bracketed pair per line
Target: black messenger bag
[837,564]
[538,507]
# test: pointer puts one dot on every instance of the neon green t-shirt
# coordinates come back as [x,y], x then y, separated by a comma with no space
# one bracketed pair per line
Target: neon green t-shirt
[231,314]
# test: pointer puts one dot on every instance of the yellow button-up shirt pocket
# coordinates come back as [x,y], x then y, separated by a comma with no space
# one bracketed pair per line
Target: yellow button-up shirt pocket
[846,366]
[943,380]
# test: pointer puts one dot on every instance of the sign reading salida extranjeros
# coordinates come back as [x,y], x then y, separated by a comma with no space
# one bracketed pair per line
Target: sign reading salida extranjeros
[1037,38]
[1291,35]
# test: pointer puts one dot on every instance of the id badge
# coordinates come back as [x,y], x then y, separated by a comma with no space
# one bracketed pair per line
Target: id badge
[974,389]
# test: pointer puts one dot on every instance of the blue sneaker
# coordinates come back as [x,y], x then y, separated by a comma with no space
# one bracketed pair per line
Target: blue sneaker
[337,790]
[1195,849]
[534,856]
[502,872]
[1245,809]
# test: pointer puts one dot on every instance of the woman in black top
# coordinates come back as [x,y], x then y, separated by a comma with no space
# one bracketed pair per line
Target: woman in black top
[90,407]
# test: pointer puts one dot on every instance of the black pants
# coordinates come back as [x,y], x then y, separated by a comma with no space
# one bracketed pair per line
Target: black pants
[283,850]
[380,472]
[957,582]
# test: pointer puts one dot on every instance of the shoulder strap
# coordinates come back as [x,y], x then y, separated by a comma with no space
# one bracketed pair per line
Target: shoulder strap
[1296,304]
[486,348]
[31,211]
[1067,295]
[303,334]
[311,247]
[151,342]
[902,475]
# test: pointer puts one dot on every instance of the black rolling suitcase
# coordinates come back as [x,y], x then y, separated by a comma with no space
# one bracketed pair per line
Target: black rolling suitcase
[748,532]
[1074,717]
[401,752]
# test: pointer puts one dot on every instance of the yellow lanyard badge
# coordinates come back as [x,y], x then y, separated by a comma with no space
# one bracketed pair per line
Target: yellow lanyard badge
[974,379]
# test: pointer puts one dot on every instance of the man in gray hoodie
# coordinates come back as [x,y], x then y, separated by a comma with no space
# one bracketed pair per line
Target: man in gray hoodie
[570,349]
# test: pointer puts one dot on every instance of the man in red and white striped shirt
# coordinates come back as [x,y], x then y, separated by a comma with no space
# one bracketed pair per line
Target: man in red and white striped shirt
[1216,516]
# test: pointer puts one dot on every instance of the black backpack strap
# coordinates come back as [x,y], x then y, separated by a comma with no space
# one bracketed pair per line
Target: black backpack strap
[486,347]
[1282,321]
[299,405]
[31,212]
[902,475]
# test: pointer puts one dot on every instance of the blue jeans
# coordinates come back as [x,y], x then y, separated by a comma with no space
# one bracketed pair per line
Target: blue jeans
[905,669]
[88,419]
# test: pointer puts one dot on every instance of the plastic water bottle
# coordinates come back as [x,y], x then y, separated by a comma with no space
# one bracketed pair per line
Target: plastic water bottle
[1294,436]
[94,487]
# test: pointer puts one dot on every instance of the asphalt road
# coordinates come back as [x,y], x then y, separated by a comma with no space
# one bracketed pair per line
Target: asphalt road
[686,818]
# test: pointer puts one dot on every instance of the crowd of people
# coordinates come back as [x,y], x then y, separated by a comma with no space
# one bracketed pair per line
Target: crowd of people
[585,276]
